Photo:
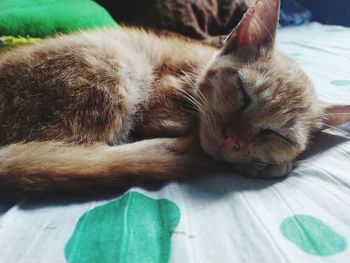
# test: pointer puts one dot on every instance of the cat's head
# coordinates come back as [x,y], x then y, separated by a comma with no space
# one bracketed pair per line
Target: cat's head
[259,105]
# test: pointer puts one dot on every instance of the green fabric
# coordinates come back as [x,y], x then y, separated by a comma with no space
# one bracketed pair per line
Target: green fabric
[133,228]
[312,236]
[341,82]
[7,42]
[40,18]
[10,40]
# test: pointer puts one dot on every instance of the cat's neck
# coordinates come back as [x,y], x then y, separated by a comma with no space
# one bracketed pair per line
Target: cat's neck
[177,64]
[182,59]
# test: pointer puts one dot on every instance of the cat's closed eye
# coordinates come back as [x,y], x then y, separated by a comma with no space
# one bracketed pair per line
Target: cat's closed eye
[246,97]
[266,132]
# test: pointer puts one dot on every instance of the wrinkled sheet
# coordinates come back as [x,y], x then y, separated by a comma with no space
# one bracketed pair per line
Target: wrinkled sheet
[224,217]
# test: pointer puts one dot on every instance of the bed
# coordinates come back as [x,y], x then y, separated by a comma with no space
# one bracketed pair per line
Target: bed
[222,218]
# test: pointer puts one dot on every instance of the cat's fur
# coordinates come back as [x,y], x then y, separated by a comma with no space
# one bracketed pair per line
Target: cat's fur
[66,103]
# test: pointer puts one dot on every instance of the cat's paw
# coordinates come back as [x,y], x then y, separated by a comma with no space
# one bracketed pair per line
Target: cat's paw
[266,171]
[275,171]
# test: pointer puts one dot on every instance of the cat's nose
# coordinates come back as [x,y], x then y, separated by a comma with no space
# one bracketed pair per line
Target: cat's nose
[229,141]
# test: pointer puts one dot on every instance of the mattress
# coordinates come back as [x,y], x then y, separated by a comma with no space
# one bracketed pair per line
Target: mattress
[221,218]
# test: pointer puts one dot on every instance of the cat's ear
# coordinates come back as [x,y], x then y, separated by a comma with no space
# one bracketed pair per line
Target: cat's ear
[335,115]
[256,29]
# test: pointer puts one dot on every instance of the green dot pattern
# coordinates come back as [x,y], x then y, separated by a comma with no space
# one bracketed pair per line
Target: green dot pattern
[134,228]
[296,54]
[312,236]
[340,82]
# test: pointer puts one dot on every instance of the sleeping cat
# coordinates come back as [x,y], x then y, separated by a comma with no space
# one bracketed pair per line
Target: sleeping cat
[117,107]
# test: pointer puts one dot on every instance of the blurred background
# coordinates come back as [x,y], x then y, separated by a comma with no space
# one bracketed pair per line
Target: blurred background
[209,21]
[332,12]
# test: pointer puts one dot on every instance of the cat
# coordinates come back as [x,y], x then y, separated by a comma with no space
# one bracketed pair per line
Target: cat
[118,107]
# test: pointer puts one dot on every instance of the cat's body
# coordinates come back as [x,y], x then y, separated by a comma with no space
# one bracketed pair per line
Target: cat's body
[77,94]
[99,86]
[121,106]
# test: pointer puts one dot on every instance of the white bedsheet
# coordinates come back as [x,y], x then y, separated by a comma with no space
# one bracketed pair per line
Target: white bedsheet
[229,218]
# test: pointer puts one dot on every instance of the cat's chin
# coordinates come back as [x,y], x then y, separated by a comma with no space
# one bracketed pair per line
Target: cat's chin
[210,149]
[217,153]
[254,168]
[263,171]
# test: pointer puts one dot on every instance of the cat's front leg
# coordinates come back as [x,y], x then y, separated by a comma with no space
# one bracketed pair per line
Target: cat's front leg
[170,158]
[265,171]
[52,166]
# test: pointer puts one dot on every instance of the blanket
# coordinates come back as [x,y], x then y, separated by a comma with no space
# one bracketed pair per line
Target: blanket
[206,20]
[40,18]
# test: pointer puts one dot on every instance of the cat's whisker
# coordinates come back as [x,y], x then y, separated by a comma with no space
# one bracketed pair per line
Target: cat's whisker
[335,128]
[187,75]
[325,115]
[197,104]
[326,125]
[201,96]
[211,117]
[191,82]
[337,113]
[264,162]
[215,124]
[310,121]
[235,68]
[309,118]
[207,118]
[193,112]
[193,101]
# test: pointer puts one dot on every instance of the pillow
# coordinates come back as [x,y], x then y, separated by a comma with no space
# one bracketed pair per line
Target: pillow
[206,20]
[41,18]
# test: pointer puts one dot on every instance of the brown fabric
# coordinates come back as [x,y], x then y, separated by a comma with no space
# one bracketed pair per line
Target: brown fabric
[206,20]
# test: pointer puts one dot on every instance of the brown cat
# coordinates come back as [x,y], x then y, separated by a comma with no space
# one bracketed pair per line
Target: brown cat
[66,102]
